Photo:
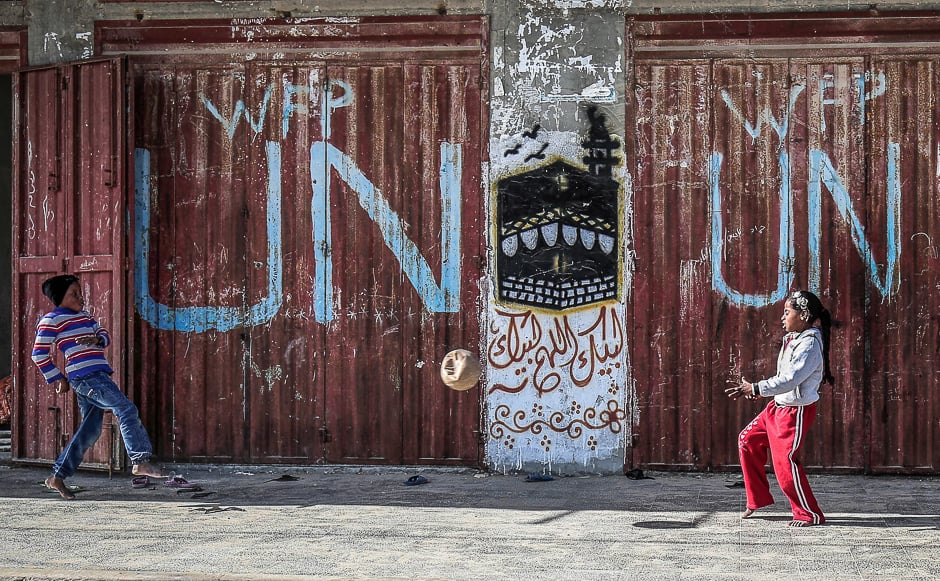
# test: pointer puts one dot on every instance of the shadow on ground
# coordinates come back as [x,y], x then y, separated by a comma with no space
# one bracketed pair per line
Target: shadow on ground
[893,501]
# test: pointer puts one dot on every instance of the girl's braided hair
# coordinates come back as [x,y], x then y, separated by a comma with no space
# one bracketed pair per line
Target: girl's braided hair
[811,309]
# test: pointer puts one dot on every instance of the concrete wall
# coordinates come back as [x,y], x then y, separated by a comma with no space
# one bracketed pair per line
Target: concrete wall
[555,400]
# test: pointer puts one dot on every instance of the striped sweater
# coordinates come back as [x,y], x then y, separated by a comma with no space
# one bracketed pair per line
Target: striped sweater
[59,329]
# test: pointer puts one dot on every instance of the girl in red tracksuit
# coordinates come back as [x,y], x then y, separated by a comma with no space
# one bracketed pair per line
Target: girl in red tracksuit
[802,365]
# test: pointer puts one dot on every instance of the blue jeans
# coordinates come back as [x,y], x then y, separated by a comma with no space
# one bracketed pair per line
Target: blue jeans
[96,393]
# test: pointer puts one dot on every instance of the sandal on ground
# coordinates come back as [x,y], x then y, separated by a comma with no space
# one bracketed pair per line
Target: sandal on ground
[178,482]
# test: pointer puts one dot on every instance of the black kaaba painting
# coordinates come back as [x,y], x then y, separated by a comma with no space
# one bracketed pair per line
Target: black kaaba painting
[558,229]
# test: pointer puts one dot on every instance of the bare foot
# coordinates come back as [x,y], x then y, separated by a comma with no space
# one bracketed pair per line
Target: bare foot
[748,512]
[57,484]
[801,523]
[148,469]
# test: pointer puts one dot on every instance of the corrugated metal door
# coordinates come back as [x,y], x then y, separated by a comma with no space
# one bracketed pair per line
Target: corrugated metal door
[365,417]
[903,338]
[791,168]
[308,240]
[69,216]
[200,192]
[285,357]
[672,367]
[403,130]
[827,126]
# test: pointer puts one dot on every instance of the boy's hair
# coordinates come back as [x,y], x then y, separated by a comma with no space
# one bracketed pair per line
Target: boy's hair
[55,288]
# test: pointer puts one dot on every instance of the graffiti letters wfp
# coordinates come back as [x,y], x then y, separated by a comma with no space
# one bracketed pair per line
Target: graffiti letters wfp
[325,159]
[822,175]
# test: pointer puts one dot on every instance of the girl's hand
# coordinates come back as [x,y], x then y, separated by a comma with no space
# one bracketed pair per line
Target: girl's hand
[62,386]
[745,389]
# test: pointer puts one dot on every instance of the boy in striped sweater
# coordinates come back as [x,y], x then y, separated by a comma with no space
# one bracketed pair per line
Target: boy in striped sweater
[70,329]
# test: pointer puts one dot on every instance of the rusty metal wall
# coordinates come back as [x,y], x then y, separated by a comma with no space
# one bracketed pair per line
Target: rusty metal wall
[438,102]
[12,49]
[905,332]
[301,221]
[774,154]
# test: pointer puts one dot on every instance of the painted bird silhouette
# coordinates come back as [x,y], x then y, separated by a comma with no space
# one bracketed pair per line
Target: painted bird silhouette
[538,154]
[533,133]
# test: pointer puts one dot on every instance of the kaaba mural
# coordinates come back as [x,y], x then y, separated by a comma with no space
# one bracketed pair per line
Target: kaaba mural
[558,229]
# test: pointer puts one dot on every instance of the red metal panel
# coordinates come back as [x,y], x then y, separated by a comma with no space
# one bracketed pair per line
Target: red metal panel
[197,233]
[754,173]
[442,105]
[286,370]
[393,408]
[70,217]
[382,37]
[97,217]
[38,230]
[12,49]
[847,137]
[672,365]
[153,365]
[827,123]
[787,32]
[330,162]
[365,417]
[903,337]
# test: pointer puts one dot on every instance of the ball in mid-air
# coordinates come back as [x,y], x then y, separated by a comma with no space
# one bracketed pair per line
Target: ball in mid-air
[460,370]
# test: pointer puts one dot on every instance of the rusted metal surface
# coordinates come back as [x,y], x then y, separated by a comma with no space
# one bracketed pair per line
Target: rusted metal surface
[68,217]
[307,234]
[671,365]
[373,35]
[905,332]
[763,174]
[12,49]
[38,412]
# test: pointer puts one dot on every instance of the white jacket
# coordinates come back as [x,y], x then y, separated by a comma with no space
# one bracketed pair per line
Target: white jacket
[799,370]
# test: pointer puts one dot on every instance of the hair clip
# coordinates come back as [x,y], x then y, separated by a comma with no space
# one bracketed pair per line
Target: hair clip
[800,301]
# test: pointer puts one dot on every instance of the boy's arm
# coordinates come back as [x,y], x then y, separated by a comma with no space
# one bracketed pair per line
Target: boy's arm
[43,348]
[102,334]
[100,337]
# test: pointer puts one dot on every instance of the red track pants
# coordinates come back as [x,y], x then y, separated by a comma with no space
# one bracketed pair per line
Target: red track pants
[781,429]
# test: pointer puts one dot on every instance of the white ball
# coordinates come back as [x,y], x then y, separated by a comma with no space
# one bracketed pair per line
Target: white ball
[460,370]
